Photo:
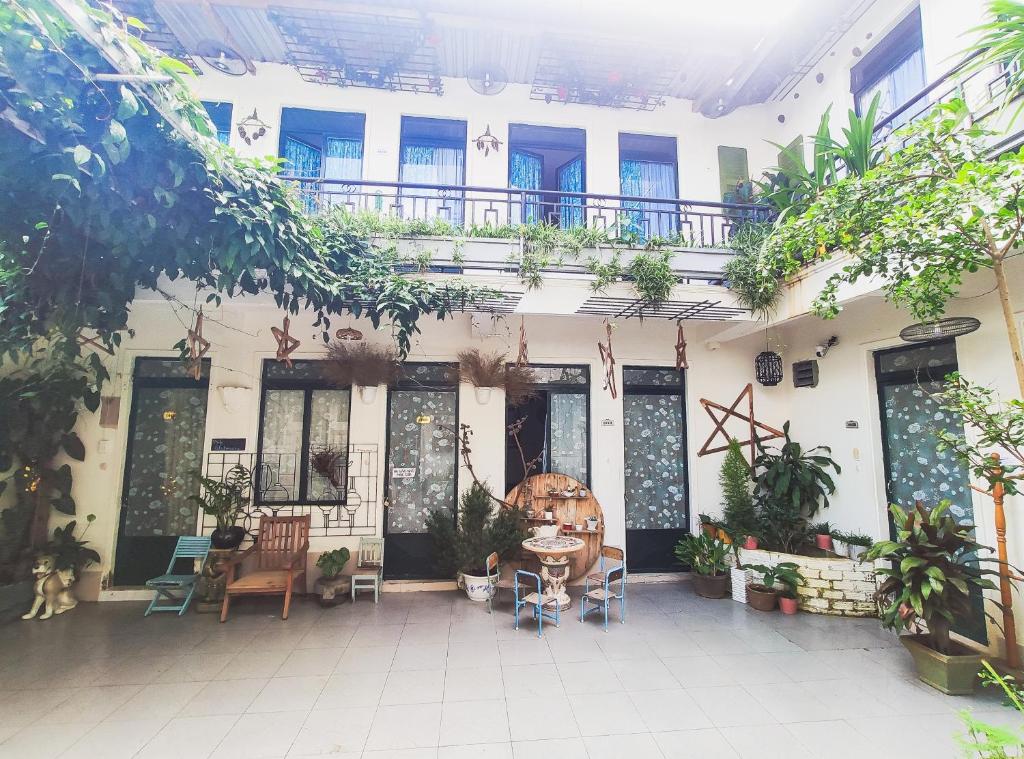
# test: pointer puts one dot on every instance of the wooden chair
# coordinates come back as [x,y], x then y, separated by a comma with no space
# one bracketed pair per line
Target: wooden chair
[166,585]
[280,552]
[369,569]
[610,582]
[493,569]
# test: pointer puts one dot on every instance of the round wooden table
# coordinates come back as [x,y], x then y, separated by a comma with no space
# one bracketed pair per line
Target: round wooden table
[554,553]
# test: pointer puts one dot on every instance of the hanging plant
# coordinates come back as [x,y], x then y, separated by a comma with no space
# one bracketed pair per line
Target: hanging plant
[359,363]
[653,277]
[493,370]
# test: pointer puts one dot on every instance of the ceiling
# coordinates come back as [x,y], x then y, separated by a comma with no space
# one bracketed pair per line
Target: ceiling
[719,55]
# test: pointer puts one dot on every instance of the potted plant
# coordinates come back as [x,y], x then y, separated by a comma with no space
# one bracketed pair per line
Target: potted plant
[706,556]
[224,500]
[462,544]
[764,595]
[839,543]
[331,584]
[857,544]
[738,512]
[708,526]
[822,532]
[485,371]
[57,568]
[934,567]
[363,365]
[750,541]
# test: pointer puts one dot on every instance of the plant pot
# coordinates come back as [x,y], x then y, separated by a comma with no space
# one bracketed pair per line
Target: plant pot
[711,586]
[750,544]
[724,537]
[840,548]
[856,552]
[15,599]
[824,542]
[483,395]
[739,579]
[954,675]
[709,529]
[368,394]
[761,598]
[478,588]
[788,605]
[232,537]
[333,590]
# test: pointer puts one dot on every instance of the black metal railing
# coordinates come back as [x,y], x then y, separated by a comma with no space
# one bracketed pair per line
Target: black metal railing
[483,211]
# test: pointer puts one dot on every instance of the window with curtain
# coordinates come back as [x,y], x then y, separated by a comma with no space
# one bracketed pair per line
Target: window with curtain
[435,165]
[323,145]
[525,172]
[570,179]
[649,179]
[302,417]
[220,115]
[893,70]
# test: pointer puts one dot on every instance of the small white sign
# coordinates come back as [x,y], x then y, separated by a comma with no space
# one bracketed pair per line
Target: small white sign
[403,472]
[607,422]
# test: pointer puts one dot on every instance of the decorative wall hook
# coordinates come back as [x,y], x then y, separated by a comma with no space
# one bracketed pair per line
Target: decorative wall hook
[608,359]
[197,347]
[487,142]
[252,127]
[681,362]
[348,333]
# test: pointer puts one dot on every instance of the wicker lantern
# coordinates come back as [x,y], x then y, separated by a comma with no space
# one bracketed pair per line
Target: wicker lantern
[768,368]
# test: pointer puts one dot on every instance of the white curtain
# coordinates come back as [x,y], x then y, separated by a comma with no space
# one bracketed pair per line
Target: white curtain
[568,454]
[896,88]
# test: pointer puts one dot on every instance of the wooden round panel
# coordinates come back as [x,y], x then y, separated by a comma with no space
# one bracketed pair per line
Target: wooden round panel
[534,493]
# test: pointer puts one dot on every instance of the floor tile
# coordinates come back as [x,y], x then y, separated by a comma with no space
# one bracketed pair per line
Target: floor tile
[309,661]
[405,726]
[562,748]
[223,697]
[589,677]
[531,680]
[695,744]
[261,736]
[527,723]
[369,659]
[411,656]
[476,722]
[837,738]
[334,731]
[285,694]
[606,714]
[413,687]
[473,684]
[731,705]
[33,742]
[766,742]
[115,740]
[667,710]
[476,751]
[156,700]
[639,746]
[188,737]
[355,689]
[698,671]
[643,674]
[524,651]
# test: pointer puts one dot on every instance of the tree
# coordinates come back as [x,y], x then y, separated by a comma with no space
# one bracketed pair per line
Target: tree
[737,492]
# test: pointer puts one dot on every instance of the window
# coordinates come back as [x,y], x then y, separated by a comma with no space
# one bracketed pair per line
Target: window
[433,153]
[551,159]
[893,70]
[324,145]
[647,169]
[556,426]
[220,115]
[302,416]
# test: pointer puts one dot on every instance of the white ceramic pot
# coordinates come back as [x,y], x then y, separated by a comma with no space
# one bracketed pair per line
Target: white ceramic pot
[477,588]
[839,546]
[483,395]
[544,531]
[856,552]
[368,394]
[740,579]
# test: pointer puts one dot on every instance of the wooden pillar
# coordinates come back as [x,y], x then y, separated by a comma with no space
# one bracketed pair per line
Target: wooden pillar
[1005,591]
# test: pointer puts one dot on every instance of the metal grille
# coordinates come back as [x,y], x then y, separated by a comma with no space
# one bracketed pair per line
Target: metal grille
[626,308]
[360,50]
[354,512]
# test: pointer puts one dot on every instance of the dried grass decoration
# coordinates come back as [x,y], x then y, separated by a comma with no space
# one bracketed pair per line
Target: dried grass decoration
[486,370]
[359,363]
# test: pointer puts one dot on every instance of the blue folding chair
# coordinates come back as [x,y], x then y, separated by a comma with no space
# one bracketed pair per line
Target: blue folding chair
[536,599]
[601,597]
[166,585]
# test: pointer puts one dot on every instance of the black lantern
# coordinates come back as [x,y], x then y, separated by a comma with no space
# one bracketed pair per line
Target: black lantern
[768,368]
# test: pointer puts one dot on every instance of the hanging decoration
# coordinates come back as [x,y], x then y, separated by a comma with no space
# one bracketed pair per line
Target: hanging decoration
[523,358]
[753,425]
[768,365]
[348,333]
[681,362]
[252,127]
[197,347]
[487,142]
[286,344]
[608,360]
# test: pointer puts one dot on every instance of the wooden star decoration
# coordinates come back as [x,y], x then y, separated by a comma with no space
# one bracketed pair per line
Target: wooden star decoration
[94,342]
[286,344]
[681,362]
[752,423]
[197,347]
[524,357]
[608,360]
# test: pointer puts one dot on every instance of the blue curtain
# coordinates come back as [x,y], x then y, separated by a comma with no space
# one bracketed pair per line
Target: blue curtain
[303,160]
[525,173]
[649,179]
[343,159]
[432,164]
[570,179]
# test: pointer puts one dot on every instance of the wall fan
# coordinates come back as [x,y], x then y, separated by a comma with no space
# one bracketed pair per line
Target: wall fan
[487,80]
[222,58]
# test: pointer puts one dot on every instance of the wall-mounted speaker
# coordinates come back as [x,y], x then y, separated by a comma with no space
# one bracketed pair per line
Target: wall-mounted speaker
[805,374]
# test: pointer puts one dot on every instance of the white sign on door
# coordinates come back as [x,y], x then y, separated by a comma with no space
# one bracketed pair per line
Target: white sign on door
[403,472]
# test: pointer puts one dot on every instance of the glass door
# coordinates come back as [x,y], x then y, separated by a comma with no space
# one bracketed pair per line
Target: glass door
[166,430]
[654,431]
[422,465]
[915,470]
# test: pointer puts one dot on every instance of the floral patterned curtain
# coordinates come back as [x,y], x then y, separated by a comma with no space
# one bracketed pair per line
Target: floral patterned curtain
[437,165]
[654,461]
[649,179]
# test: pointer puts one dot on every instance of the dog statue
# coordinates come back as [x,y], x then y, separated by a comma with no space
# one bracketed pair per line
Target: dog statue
[52,588]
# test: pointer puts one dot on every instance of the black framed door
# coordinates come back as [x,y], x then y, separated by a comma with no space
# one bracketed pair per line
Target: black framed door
[166,431]
[654,452]
[915,470]
[422,465]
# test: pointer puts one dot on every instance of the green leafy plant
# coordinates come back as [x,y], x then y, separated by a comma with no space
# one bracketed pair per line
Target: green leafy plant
[1000,46]
[704,555]
[462,545]
[68,550]
[785,573]
[734,479]
[934,566]
[987,741]
[223,499]
[605,274]
[332,563]
[821,528]
[857,539]
[652,276]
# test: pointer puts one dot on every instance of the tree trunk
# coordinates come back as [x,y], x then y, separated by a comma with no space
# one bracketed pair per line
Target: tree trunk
[938,634]
[1011,324]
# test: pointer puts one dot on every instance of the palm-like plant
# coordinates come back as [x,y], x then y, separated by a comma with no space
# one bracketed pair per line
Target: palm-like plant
[1001,45]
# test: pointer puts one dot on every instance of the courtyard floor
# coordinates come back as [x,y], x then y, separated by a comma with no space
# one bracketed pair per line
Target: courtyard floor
[434,676]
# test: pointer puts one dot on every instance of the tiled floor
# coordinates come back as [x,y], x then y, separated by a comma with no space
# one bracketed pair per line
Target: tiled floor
[433,676]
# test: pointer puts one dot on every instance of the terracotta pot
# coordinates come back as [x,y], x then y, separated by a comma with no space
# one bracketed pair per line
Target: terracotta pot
[750,544]
[824,542]
[711,586]
[788,605]
[762,598]
[709,529]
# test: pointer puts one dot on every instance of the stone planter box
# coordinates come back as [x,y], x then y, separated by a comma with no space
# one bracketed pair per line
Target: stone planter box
[832,585]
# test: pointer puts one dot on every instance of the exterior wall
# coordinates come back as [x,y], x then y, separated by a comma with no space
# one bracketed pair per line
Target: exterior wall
[834,586]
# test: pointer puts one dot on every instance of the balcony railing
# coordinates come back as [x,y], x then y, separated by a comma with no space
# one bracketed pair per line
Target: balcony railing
[476,210]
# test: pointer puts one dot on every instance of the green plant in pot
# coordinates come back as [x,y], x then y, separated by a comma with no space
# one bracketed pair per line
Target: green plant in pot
[822,532]
[737,485]
[857,544]
[934,568]
[462,545]
[764,595]
[332,585]
[706,557]
[224,500]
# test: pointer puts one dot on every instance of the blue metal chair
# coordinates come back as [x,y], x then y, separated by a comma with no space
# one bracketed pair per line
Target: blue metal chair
[188,547]
[601,597]
[536,599]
